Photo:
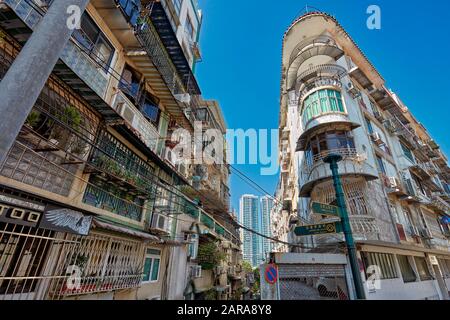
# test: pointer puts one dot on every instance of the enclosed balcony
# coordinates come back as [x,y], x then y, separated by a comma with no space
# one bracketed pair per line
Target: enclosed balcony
[81,65]
[323,109]
[359,207]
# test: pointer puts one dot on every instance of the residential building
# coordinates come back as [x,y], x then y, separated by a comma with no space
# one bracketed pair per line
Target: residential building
[251,219]
[266,208]
[92,203]
[394,175]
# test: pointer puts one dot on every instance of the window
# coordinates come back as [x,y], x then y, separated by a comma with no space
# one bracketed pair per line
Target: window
[384,261]
[406,269]
[93,41]
[327,141]
[190,29]
[422,268]
[445,267]
[407,152]
[321,102]
[420,185]
[151,265]
[130,83]
[149,108]
[380,165]
[369,126]
[177,5]
[193,247]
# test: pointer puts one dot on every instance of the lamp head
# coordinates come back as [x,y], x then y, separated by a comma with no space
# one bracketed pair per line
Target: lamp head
[333,157]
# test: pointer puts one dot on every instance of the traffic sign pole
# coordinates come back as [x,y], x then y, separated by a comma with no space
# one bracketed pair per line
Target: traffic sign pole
[333,160]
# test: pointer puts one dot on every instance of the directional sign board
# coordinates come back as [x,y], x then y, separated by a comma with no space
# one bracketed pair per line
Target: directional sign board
[323,228]
[325,209]
[271,274]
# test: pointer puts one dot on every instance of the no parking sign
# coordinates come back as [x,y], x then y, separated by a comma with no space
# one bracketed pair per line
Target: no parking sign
[271,274]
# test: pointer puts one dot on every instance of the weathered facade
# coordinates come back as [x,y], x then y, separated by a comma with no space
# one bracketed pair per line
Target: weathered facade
[395,177]
[92,205]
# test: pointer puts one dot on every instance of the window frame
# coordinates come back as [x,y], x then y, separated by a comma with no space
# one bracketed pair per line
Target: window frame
[320,100]
[429,276]
[153,257]
[385,261]
[411,266]
[407,152]
[100,35]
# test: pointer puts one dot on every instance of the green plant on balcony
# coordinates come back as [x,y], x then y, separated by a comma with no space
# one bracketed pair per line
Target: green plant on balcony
[33,118]
[209,255]
[79,147]
[70,117]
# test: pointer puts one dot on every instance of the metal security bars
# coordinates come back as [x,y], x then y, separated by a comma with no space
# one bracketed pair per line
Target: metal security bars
[25,261]
[97,263]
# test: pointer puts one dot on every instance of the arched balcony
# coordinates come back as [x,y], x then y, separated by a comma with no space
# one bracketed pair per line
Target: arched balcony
[315,170]
[315,46]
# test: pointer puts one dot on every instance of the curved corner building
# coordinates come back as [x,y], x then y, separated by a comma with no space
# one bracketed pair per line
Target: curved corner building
[333,100]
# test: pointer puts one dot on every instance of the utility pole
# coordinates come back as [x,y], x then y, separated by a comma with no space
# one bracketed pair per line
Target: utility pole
[333,160]
[25,79]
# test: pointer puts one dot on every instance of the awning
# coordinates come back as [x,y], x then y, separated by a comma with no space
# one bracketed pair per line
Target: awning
[135,233]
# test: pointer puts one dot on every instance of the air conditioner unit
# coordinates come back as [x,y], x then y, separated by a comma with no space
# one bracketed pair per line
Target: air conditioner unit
[170,156]
[196,271]
[159,222]
[352,90]
[376,138]
[393,182]
[426,233]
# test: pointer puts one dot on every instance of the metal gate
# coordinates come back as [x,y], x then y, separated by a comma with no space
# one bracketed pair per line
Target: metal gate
[312,282]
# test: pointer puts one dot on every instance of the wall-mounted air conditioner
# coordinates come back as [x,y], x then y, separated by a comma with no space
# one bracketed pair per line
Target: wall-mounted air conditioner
[393,182]
[353,90]
[159,222]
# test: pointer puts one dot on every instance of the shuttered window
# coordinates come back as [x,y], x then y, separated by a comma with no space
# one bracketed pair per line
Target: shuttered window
[384,261]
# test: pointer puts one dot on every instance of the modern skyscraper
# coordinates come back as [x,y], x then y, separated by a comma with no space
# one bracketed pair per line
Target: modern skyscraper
[266,207]
[250,218]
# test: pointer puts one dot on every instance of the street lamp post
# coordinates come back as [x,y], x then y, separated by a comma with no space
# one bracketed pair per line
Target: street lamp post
[333,160]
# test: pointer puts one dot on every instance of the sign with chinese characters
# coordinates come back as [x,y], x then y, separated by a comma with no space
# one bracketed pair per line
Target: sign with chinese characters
[66,220]
[325,209]
[315,229]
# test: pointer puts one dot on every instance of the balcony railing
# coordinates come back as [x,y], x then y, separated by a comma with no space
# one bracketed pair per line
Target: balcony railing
[106,264]
[150,41]
[45,170]
[98,197]
[317,159]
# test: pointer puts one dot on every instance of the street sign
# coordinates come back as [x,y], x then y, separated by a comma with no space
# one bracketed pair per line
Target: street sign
[323,228]
[325,209]
[271,274]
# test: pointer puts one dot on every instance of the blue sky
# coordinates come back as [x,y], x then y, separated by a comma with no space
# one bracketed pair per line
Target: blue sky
[241,48]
